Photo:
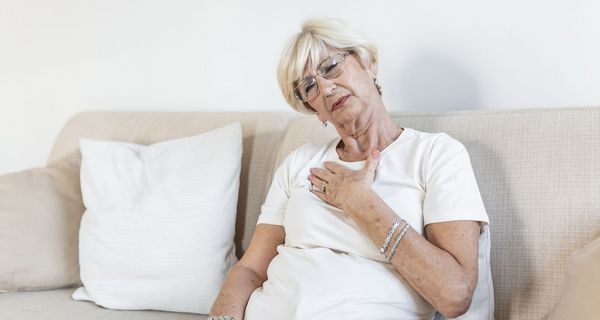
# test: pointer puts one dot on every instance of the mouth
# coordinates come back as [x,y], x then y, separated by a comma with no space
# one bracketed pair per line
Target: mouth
[339,103]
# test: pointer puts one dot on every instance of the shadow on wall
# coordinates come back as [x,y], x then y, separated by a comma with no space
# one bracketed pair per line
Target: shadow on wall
[433,83]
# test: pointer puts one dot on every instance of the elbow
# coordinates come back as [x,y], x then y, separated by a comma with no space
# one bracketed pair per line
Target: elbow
[454,311]
[457,303]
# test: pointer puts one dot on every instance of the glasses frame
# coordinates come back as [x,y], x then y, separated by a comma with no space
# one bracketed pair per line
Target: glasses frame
[297,94]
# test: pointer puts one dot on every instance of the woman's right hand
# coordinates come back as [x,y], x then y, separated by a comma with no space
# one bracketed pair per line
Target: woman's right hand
[336,183]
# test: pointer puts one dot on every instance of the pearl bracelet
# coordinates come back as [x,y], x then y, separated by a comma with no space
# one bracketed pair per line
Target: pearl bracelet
[221,318]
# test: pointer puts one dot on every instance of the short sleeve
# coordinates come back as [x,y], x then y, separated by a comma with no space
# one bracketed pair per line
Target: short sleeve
[273,209]
[451,191]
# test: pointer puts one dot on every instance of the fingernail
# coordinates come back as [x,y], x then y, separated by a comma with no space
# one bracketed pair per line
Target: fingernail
[376,154]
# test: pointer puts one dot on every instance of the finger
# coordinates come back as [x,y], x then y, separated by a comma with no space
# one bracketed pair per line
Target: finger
[323,197]
[372,162]
[316,182]
[322,174]
[333,166]
[319,194]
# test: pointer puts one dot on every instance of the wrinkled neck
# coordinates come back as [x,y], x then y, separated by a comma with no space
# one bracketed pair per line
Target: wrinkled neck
[377,136]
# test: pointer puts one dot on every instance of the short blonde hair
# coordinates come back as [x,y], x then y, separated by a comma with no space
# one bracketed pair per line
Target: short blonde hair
[310,46]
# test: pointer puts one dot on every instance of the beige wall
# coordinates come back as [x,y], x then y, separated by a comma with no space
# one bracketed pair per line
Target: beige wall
[61,57]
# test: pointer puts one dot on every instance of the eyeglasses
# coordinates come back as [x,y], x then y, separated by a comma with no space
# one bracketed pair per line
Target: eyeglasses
[307,89]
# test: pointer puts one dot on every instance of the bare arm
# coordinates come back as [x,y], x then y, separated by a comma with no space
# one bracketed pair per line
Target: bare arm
[442,268]
[249,273]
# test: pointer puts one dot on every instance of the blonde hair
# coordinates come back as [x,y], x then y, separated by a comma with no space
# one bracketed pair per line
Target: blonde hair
[310,46]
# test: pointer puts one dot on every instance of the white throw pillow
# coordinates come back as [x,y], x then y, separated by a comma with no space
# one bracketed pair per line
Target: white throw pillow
[159,223]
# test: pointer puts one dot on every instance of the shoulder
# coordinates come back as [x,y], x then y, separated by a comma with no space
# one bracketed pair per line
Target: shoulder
[435,144]
[310,149]
[437,153]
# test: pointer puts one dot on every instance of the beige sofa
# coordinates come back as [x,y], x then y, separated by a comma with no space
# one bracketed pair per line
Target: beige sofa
[538,171]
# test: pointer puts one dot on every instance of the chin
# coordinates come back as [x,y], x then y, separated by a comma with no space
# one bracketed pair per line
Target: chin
[346,113]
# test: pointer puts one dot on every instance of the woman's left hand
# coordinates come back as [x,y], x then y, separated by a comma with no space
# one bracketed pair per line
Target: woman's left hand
[336,183]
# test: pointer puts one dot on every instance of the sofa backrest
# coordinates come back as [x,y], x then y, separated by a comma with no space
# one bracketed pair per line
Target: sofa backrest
[538,171]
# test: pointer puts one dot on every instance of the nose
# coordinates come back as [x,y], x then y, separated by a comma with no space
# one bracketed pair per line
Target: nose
[326,86]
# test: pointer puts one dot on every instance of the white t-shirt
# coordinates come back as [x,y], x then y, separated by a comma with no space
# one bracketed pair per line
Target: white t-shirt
[328,268]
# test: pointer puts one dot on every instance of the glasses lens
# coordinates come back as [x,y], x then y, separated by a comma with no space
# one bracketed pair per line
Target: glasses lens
[332,67]
[307,89]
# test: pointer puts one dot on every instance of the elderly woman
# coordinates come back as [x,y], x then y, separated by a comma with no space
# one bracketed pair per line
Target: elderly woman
[383,222]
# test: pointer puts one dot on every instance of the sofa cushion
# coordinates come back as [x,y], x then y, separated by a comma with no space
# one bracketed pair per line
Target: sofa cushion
[58,305]
[40,210]
[158,228]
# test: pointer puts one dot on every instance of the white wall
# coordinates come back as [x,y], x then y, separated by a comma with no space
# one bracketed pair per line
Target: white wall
[61,57]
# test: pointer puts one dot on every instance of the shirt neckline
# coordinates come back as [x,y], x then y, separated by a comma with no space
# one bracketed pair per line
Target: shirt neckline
[334,155]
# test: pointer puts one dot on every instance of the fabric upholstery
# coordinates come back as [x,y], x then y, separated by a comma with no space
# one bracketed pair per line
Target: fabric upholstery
[58,305]
[40,210]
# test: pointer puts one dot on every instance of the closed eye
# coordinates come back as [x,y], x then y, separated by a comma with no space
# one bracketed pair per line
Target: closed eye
[331,68]
[309,87]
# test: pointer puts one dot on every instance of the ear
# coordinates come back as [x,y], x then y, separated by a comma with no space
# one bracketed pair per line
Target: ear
[373,70]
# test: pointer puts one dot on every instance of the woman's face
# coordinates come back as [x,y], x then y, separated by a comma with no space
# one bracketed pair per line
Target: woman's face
[345,99]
